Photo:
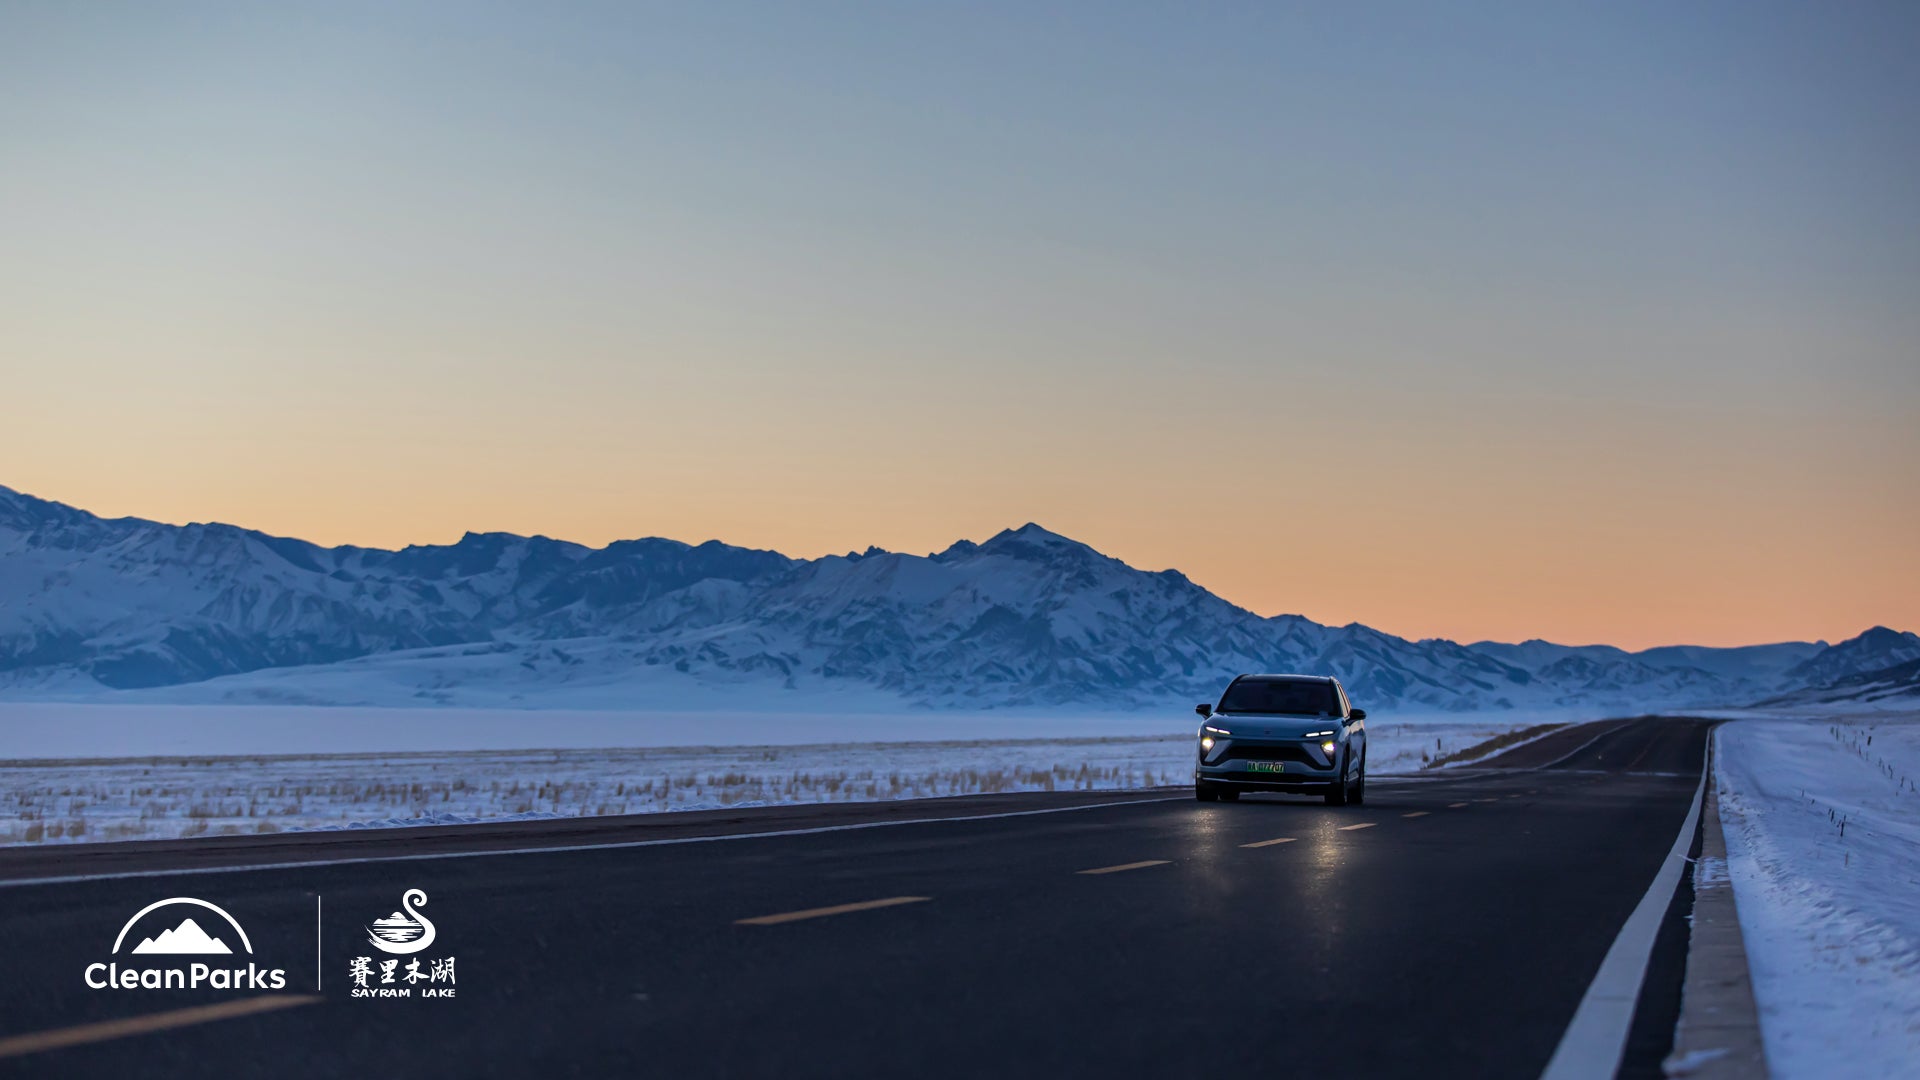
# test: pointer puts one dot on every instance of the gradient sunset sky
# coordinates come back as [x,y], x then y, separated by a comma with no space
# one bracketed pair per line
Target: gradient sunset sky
[1595,323]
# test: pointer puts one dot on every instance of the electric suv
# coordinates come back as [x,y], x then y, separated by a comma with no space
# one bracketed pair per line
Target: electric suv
[1291,733]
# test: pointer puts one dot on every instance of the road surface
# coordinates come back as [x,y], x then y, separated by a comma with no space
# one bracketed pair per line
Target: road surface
[1447,928]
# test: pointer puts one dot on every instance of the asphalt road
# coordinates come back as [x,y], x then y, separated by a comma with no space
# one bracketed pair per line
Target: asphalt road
[1447,928]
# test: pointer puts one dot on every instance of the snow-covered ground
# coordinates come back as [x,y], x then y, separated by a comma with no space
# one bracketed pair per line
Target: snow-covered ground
[164,797]
[72,730]
[1822,822]
[70,772]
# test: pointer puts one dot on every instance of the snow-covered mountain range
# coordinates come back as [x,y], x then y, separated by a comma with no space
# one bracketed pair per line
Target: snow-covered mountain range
[122,609]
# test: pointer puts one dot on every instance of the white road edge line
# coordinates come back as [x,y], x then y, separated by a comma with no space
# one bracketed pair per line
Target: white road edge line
[1591,1047]
[611,846]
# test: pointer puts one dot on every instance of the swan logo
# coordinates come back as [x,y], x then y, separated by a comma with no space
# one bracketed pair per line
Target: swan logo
[405,932]
[183,938]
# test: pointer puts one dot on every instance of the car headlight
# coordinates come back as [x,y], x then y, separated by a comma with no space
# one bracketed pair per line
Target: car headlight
[1217,730]
[1206,742]
[1328,747]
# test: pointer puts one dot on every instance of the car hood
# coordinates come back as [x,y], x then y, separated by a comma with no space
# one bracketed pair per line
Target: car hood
[1258,726]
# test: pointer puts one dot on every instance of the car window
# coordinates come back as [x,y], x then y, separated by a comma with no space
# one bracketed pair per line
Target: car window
[1287,697]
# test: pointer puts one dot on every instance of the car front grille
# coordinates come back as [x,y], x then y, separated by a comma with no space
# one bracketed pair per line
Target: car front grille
[1280,752]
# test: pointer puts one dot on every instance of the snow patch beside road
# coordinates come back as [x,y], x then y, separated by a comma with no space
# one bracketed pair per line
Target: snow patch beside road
[1822,823]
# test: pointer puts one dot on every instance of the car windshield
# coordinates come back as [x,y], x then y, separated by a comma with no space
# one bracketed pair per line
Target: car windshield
[1290,697]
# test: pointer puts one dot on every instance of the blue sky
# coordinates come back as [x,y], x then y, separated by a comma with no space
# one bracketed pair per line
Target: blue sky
[1596,319]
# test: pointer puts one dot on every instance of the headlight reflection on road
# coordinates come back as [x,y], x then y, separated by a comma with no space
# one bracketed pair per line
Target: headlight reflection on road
[1326,856]
[1207,842]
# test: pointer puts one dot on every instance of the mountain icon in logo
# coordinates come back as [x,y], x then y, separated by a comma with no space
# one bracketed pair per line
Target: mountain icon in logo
[185,939]
[405,931]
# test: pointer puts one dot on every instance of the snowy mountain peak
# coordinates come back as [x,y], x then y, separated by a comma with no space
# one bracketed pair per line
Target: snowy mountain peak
[15,509]
[23,512]
[1034,533]
[1874,650]
[1032,542]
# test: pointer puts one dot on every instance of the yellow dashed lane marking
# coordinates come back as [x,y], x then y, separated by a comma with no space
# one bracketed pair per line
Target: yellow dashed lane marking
[1125,866]
[1418,813]
[1455,805]
[59,1038]
[837,909]
[1270,843]
[1362,825]
[1495,799]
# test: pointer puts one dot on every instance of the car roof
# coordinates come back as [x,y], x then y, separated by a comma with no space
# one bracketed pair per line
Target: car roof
[1290,678]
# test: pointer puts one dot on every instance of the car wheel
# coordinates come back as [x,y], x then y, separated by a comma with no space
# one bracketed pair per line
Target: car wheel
[1359,796]
[1337,795]
[1204,793]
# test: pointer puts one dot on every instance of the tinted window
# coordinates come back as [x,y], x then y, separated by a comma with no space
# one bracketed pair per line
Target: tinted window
[1295,697]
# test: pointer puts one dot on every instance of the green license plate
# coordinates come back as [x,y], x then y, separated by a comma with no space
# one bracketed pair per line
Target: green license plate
[1267,766]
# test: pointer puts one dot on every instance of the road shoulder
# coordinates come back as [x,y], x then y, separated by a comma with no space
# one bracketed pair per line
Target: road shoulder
[1718,1036]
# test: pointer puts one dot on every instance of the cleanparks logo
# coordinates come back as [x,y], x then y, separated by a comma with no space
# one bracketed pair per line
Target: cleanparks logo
[178,932]
[403,933]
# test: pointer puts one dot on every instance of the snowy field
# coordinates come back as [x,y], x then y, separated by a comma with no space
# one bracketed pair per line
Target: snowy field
[1823,842]
[73,730]
[84,773]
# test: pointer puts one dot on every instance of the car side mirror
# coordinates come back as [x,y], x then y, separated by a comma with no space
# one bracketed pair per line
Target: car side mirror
[1357,714]
[1205,710]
